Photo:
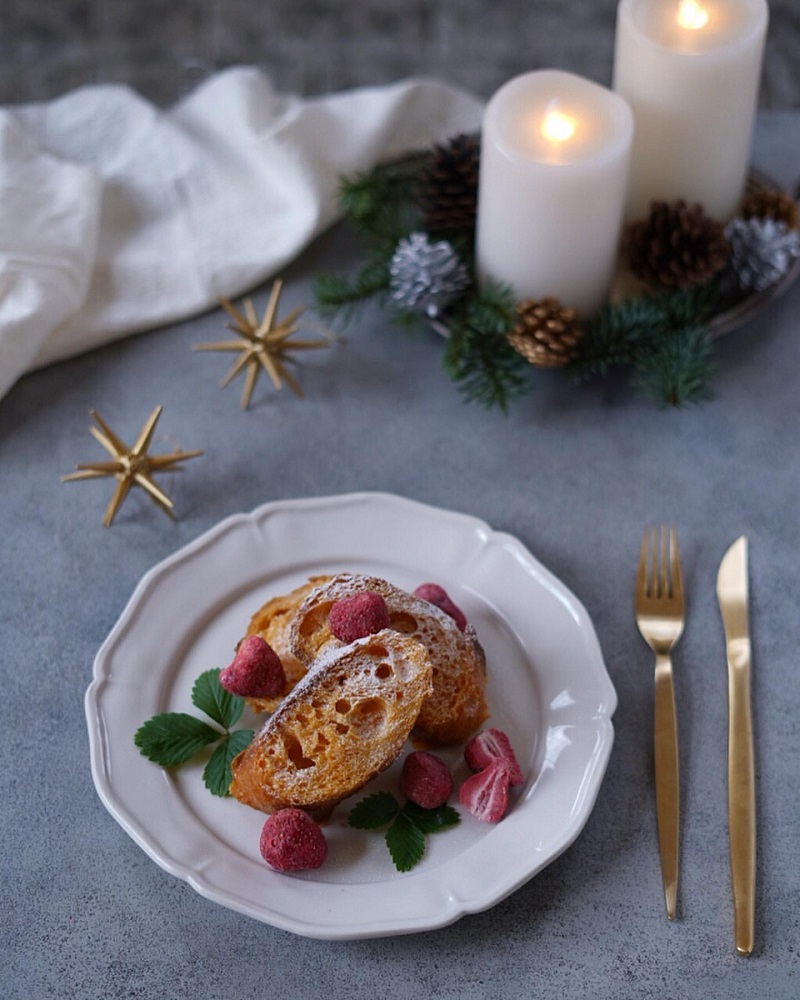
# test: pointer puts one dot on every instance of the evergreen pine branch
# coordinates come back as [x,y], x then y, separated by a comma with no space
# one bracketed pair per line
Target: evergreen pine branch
[662,336]
[691,306]
[380,202]
[335,294]
[380,205]
[615,335]
[399,174]
[678,369]
[464,245]
[477,353]
[492,307]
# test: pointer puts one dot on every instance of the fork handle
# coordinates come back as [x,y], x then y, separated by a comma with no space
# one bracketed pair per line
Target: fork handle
[666,779]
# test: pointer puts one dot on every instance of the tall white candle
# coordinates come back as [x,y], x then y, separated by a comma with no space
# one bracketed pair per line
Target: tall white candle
[554,161]
[690,70]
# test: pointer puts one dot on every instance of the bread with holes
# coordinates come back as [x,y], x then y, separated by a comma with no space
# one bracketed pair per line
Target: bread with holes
[273,622]
[456,706]
[344,723]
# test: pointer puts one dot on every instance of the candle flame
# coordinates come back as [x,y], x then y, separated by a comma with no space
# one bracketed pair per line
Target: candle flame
[692,15]
[558,127]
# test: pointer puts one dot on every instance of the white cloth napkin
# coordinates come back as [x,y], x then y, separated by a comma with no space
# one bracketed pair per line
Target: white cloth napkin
[117,216]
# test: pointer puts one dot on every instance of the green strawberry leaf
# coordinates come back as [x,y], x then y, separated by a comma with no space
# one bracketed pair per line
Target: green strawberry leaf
[406,842]
[217,773]
[172,738]
[374,811]
[211,697]
[408,825]
[432,820]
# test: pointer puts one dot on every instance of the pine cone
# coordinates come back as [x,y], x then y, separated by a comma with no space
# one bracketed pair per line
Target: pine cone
[762,251]
[545,333]
[447,190]
[769,203]
[677,246]
[425,275]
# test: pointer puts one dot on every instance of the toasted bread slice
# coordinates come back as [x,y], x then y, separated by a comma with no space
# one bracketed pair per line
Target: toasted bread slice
[457,706]
[344,723]
[273,622]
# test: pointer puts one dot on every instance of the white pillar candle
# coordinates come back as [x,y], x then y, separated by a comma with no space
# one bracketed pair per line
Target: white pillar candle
[554,161]
[690,70]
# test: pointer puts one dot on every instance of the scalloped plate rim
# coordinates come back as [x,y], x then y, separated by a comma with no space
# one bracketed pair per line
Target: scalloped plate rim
[440,887]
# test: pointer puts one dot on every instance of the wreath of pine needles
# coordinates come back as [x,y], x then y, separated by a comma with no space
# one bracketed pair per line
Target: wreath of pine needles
[662,341]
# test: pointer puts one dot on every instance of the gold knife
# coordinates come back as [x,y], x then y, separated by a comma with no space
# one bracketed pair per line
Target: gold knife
[732,594]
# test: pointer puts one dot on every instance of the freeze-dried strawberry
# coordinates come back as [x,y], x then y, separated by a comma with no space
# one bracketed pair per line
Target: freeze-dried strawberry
[434,594]
[291,840]
[256,670]
[358,615]
[425,780]
[489,746]
[485,794]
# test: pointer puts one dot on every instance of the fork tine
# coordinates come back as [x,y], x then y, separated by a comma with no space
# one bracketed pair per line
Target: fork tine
[665,582]
[669,579]
[675,565]
[658,575]
[647,578]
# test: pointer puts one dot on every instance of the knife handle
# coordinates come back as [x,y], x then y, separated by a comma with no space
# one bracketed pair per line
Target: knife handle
[741,808]
[665,736]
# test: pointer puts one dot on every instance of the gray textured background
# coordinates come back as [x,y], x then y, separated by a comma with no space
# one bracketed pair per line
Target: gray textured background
[161,47]
[87,915]
[574,473]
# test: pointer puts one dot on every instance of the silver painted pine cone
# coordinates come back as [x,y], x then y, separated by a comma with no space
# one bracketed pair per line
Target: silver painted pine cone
[426,276]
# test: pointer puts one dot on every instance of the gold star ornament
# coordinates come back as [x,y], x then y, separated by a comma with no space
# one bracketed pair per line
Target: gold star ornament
[130,466]
[263,345]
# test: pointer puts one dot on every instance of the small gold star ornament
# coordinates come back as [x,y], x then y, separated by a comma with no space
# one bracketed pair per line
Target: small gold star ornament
[262,344]
[130,466]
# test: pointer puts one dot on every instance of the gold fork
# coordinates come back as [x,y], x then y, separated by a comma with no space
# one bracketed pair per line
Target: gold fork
[659,615]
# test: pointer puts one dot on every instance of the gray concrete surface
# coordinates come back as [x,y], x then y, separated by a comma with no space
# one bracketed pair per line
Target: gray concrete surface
[161,47]
[574,473]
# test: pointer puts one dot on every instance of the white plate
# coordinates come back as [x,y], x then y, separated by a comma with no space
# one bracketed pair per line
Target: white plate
[547,688]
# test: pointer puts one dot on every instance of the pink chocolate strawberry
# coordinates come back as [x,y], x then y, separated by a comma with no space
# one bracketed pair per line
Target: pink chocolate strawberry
[358,615]
[489,746]
[485,794]
[425,780]
[438,596]
[291,841]
[256,670]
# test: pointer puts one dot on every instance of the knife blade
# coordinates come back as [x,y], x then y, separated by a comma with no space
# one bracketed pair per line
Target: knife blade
[733,597]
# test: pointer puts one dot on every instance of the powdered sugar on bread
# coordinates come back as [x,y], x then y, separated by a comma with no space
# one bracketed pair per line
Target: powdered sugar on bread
[345,721]
[273,622]
[456,707]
